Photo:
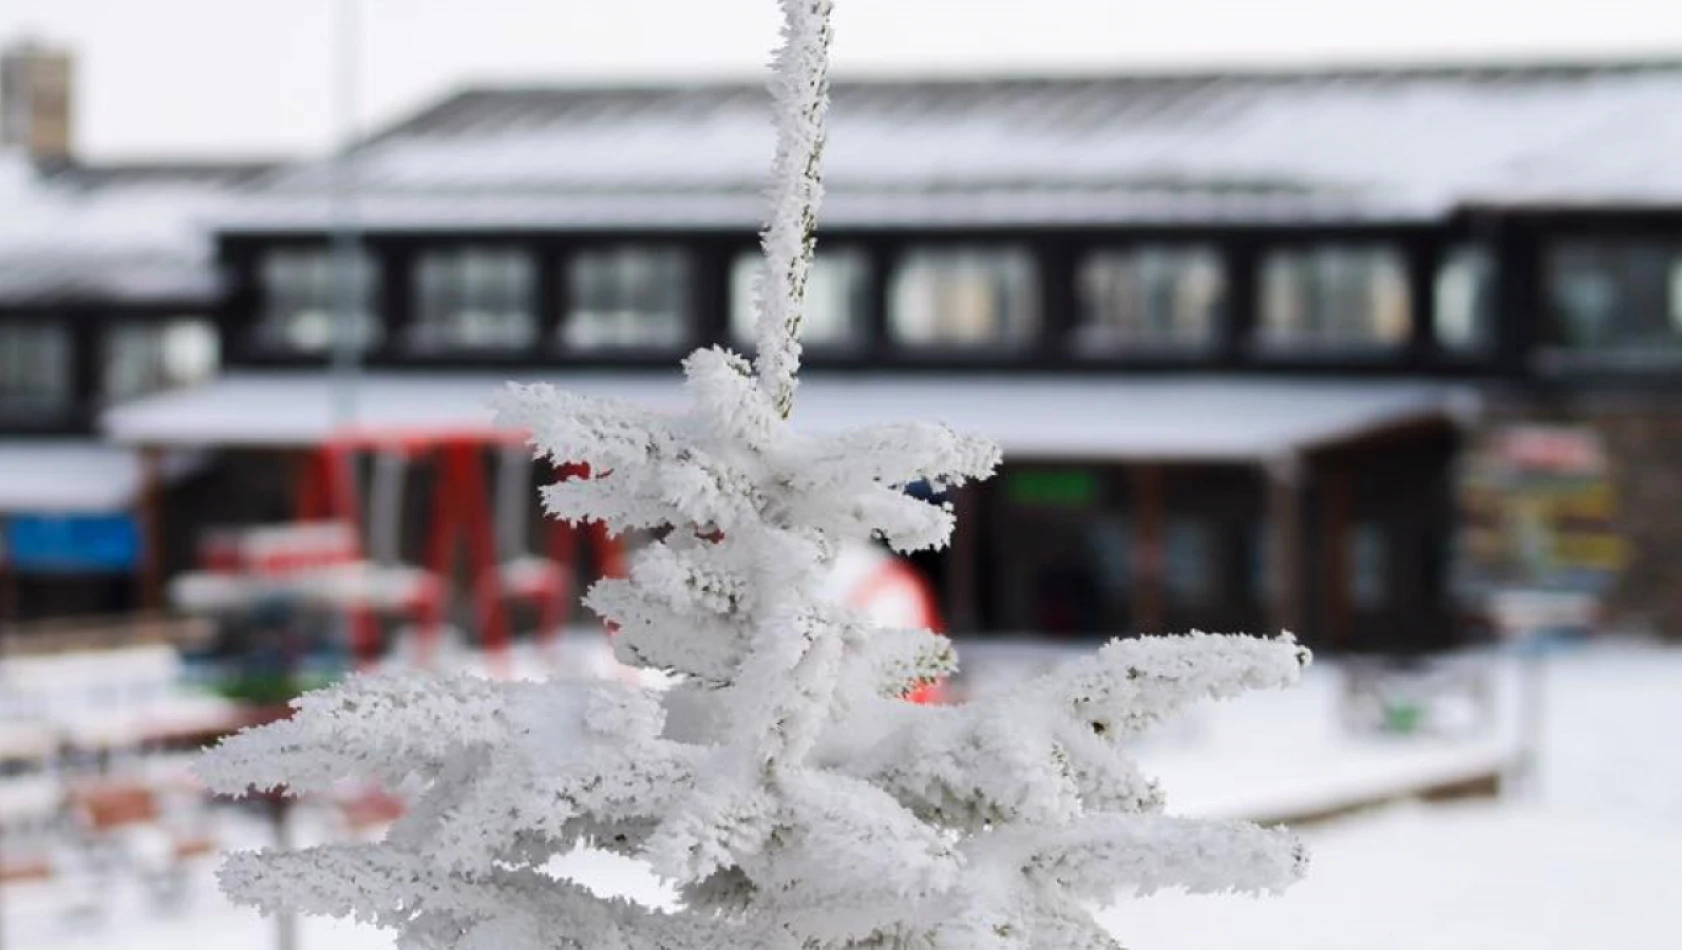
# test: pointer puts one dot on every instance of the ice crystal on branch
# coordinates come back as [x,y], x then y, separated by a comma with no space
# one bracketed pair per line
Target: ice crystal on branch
[783,784]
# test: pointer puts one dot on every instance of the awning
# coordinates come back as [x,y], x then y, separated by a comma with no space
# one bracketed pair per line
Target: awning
[66,476]
[78,476]
[1182,419]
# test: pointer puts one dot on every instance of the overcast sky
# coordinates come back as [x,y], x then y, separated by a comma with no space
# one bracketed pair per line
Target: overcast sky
[253,77]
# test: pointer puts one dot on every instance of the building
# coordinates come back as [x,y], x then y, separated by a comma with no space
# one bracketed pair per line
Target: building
[1233,329]
[108,292]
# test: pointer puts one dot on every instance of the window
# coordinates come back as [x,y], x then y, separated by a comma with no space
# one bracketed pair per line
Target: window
[1369,579]
[475,298]
[965,298]
[1464,301]
[628,298]
[145,357]
[34,368]
[1617,298]
[1150,298]
[837,299]
[1262,573]
[1187,561]
[1334,297]
[300,303]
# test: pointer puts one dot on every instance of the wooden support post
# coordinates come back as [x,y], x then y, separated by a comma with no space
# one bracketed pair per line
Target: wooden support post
[1334,525]
[1284,555]
[280,814]
[8,590]
[962,569]
[1150,534]
[149,514]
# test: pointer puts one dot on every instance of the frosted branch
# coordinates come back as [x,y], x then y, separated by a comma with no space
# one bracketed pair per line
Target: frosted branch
[800,102]
[780,783]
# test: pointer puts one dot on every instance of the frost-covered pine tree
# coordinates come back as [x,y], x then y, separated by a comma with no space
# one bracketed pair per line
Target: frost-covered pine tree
[783,784]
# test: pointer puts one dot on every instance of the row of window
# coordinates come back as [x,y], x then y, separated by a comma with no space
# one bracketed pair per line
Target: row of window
[1149,298]
[1616,298]
[136,358]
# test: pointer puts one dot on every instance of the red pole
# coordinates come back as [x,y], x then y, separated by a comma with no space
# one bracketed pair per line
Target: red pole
[439,560]
[460,506]
[338,495]
[563,551]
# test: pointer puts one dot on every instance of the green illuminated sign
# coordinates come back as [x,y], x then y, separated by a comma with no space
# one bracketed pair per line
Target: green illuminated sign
[1061,488]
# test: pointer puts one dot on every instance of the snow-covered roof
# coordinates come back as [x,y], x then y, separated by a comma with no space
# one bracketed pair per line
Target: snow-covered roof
[66,476]
[1214,419]
[1384,143]
[78,476]
[103,233]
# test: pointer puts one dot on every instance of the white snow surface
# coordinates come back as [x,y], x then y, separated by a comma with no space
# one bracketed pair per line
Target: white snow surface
[66,475]
[1589,860]
[76,476]
[135,240]
[1189,418]
[1083,150]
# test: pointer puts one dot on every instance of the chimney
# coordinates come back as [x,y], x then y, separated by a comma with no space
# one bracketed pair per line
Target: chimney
[35,100]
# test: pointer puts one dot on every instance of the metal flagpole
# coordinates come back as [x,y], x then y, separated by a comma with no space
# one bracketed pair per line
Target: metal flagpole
[350,328]
[350,323]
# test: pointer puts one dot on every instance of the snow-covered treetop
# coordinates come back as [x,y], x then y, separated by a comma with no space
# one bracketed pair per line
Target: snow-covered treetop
[783,784]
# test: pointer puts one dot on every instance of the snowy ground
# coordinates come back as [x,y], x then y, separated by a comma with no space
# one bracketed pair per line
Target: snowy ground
[1588,858]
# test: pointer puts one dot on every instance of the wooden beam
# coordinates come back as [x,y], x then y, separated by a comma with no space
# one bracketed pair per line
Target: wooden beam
[8,591]
[1415,427]
[1335,504]
[1149,536]
[962,565]
[1284,555]
[151,517]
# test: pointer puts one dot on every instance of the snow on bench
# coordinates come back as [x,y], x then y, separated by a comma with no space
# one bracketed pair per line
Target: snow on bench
[103,699]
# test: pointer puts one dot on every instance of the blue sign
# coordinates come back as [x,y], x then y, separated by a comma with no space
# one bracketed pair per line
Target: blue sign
[71,544]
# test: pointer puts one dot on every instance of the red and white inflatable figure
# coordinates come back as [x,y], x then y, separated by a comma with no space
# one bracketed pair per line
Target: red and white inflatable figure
[891,592]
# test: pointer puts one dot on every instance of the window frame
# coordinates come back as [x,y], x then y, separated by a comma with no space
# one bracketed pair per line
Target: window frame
[115,323]
[1555,352]
[1259,349]
[866,339]
[1488,341]
[1028,348]
[65,399]
[555,327]
[454,254]
[1215,246]
[265,337]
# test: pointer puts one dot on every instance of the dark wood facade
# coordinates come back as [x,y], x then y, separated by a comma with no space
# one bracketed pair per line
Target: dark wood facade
[1315,524]
[1014,568]
[1085,149]
[89,326]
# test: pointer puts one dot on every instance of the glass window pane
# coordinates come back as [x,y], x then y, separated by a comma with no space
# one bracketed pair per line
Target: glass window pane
[1617,298]
[628,298]
[34,368]
[1334,297]
[837,304]
[299,303]
[1464,301]
[474,298]
[1370,565]
[961,298]
[1152,297]
[1187,561]
[146,357]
